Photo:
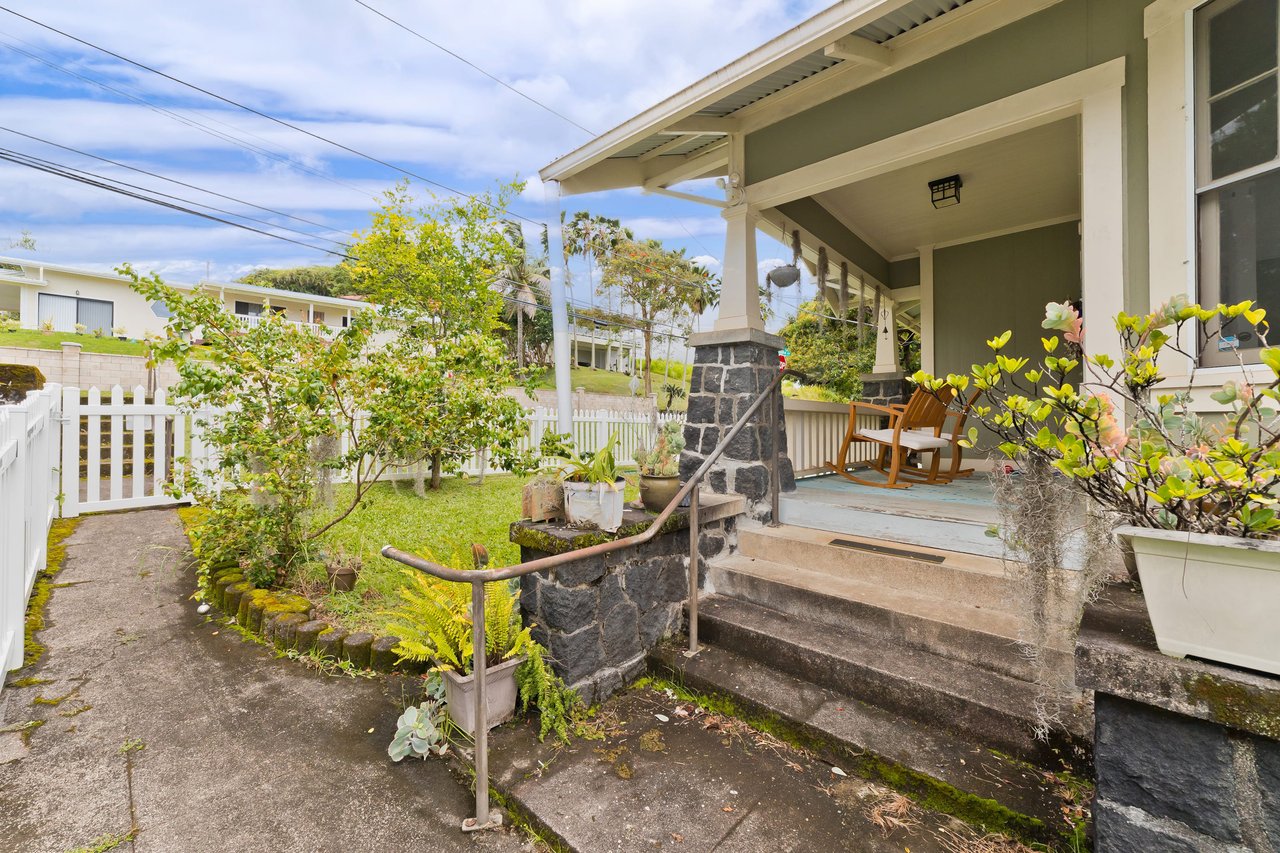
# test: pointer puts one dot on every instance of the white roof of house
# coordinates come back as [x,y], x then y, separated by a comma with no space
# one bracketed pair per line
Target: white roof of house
[229,286]
[709,104]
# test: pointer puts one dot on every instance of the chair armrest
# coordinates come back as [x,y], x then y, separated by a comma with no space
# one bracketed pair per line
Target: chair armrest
[888,410]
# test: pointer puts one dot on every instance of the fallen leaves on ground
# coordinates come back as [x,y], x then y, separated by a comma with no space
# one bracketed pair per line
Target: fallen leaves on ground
[893,811]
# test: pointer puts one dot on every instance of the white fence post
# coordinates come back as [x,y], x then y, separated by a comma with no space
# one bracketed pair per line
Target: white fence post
[13,544]
[70,467]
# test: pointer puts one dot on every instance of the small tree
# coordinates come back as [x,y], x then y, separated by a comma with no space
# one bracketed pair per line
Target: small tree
[656,280]
[286,401]
[433,270]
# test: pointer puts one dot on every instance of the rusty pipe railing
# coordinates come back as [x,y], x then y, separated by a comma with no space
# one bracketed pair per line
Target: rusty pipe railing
[479,577]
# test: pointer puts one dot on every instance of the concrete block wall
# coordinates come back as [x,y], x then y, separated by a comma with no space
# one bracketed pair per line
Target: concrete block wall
[71,366]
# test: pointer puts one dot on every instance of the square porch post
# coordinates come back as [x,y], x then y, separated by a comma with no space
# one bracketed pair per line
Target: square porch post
[732,365]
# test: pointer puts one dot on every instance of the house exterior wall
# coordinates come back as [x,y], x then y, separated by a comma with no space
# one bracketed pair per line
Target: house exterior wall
[131,311]
[1016,274]
[1066,38]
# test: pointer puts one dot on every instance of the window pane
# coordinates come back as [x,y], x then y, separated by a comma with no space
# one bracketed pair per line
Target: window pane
[1248,248]
[1242,43]
[1242,128]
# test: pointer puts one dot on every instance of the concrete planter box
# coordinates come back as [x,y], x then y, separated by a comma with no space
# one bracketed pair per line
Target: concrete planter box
[1210,596]
[594,505]
[499,695]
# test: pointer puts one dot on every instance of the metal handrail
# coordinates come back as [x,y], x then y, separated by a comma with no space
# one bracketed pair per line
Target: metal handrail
[478,577]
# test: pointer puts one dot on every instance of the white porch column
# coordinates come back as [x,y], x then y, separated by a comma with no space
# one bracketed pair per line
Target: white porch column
[739,287]
[886,337]
[926,310]
[1102,227]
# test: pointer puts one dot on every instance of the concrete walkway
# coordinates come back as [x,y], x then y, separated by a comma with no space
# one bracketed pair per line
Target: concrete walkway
[174,726]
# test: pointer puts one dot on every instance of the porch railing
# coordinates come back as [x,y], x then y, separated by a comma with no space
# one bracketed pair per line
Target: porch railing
[253,320]
[479,577]
[815,430]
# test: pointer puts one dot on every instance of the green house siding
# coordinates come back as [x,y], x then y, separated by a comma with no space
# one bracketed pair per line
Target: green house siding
[982,289]
[1066,38]
[904,273]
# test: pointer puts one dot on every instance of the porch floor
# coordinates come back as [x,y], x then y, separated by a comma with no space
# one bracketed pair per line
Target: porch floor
[954,517]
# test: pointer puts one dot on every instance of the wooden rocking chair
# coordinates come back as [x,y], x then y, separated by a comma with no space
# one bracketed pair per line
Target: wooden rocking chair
[915,427]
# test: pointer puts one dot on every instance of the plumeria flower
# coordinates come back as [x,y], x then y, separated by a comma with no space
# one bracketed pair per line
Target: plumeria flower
[1063,317]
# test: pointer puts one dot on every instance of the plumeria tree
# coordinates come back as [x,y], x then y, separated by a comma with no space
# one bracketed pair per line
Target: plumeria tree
[1169,467]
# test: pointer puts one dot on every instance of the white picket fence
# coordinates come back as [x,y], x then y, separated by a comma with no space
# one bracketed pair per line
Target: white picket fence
[29,461]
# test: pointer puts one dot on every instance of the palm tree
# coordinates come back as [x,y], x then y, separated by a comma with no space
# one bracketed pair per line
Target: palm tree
[594,238]
[520,283]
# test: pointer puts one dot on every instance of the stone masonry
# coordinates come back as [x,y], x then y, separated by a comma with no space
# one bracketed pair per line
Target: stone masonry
[885,389]
[1187,753]
[599,617]
[71,367]
[727,378]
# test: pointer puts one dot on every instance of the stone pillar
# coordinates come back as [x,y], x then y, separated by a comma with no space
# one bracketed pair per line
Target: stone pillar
[885,389]
[1187,753]
[730,370]
[600,616]
[70,364]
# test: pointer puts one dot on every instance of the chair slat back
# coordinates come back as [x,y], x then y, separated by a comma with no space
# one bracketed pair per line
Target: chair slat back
[926,409]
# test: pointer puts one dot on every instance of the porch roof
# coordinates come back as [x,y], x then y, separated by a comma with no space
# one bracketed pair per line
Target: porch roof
[685,136]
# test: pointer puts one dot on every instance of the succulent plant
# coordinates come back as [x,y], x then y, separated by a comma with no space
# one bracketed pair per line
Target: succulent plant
[663,459]
[421,729]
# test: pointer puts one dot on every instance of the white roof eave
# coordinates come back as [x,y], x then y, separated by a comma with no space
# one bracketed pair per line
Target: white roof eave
[813,34]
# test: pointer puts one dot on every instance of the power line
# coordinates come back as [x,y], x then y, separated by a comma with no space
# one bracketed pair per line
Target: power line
[284,123]
[468,62]
[188,121]
[260,113]
[183,184]
[70,174]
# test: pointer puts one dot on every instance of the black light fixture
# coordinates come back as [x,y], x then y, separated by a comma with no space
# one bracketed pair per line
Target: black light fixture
[945,192]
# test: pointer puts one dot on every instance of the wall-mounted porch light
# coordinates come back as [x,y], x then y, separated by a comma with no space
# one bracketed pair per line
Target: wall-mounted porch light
[945,192]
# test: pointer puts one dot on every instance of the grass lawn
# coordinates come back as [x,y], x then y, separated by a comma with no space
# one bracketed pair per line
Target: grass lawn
[35,339]
[441,527]
[607,382]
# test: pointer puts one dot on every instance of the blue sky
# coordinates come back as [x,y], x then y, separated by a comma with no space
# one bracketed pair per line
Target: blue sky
[344,73]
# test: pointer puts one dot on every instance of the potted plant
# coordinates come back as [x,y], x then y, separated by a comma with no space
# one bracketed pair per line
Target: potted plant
[343,570]
[434,623]
[46,327]
[660,467]
[120,333]
[593,488]
[1197,497]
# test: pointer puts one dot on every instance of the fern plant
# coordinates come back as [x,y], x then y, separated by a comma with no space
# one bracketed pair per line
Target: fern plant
[434,623]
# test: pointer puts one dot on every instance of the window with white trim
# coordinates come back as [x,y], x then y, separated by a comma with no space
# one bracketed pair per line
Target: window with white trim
[1237,168]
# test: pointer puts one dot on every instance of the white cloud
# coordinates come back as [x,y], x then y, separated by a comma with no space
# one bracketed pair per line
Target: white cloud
[341,72]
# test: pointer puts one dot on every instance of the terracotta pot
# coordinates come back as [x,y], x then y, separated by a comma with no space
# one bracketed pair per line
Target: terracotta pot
[657,492]
[342,578]
[499,695]
[1211,596]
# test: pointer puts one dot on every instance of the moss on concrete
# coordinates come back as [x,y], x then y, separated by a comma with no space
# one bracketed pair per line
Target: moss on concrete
[32,650]
[539,536]
[933,794]
[1234,705]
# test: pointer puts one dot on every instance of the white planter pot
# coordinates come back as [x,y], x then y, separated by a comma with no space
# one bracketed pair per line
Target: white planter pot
[1214,597]
[499,695]
[595,505]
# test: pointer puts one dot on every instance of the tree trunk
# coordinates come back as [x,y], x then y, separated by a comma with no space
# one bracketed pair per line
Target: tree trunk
[435,471]
[648,358]
[520,339]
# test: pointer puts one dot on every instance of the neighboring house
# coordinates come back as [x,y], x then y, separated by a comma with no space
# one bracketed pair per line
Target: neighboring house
[966,161]
[40,292]
[597,347]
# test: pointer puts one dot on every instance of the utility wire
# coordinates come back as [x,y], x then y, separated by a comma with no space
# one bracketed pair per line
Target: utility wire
[468,62]
[23,160]
[180,183]
[284,123]
[188,121]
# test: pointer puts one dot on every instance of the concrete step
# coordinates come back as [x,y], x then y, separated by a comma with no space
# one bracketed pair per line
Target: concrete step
[951,772]
[938,691]
[983,636]
[914,528]
[966,579]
